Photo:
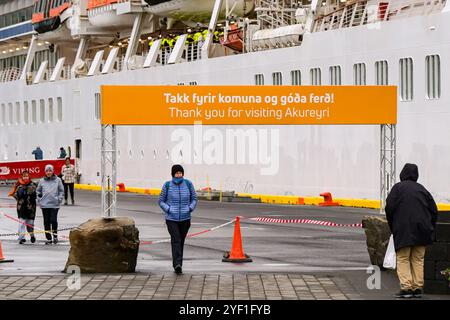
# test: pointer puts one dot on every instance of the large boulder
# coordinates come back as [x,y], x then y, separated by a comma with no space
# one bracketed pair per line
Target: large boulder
[377,238]
[104,246]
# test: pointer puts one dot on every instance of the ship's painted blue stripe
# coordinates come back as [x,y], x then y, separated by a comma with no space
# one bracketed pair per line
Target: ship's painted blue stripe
[16,30]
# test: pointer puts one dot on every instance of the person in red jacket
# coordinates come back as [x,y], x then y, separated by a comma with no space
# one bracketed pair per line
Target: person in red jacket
[24,192]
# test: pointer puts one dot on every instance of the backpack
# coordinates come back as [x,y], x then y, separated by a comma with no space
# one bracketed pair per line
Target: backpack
[189,184]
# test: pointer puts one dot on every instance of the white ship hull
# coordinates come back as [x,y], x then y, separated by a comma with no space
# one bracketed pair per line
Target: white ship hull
[344,160]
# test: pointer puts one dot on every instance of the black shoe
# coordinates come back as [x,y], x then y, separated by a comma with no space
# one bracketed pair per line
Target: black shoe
[178,269]
[404,294]
[73,202]
[65,203]
[48,242]
[33,239]
[55,240]
[417,293]
[22,241]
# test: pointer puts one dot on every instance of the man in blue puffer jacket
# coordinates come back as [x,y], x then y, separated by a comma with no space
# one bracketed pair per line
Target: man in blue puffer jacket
[178,199]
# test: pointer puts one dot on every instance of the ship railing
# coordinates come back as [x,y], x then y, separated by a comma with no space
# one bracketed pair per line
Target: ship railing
[363,12]
[191,52]
[10,74]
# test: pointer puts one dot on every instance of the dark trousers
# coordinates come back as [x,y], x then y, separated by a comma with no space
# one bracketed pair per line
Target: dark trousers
[50,222]
[178,231]
[68,187]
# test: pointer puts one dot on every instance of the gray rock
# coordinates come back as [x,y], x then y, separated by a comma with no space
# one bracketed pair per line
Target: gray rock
[377,238]
[104,246]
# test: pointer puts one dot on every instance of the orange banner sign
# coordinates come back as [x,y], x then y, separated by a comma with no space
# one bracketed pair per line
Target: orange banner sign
[248,105]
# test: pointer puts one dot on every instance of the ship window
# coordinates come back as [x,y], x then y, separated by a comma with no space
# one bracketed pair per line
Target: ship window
[296,77]
[17,113]
[193,83]
[359,74]
[335,76]
[42,110]
[50,109]
[33,112]
[10,113]
[381,73]
[259,79]
[277,78]
[25,112]
[97,106]
[60,108]
[406,79]
[3,114]
[433,74]
[316,76]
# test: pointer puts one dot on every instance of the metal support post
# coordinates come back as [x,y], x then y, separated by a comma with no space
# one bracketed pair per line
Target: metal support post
[212,26]
[134,39]
[30,58]
[388,156]
[109,170]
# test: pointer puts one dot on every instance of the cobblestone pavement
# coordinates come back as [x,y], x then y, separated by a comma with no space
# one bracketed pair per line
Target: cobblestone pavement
[264,286]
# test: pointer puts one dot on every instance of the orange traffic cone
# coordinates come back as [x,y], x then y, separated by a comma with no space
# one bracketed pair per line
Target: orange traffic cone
[237,252]
[2,258]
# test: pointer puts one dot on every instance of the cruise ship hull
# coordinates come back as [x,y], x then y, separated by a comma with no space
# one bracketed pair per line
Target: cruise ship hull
[344,160]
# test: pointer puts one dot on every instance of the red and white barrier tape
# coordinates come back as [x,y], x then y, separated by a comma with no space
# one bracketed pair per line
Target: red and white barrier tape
[191,235]
[31,226]
[306,221]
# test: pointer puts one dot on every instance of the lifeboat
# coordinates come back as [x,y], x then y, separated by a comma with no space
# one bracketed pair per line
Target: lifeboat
[195,10]
[234,38]
[47,14]
[102,14]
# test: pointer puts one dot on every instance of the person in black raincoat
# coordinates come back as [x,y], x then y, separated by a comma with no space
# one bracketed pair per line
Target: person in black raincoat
[411,213]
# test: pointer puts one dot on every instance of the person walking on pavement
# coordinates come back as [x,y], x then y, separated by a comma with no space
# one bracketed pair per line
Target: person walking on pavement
[50,193]
[38,153]
[411,214]
[178,200]
[24,192]
[68,177]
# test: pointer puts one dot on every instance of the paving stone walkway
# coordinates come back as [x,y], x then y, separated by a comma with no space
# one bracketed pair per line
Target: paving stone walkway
[264,286]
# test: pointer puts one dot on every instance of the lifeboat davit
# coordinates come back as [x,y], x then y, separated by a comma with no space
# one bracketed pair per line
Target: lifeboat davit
[102,14]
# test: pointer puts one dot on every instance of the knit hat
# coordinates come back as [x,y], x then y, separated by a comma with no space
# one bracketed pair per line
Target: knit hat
[176,168]
[49,167]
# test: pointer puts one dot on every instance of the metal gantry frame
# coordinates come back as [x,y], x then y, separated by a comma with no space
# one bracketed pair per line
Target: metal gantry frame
[388,155]
[109,170]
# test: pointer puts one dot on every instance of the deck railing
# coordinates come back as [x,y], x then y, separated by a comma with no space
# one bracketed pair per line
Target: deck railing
[362,12]
[10,74]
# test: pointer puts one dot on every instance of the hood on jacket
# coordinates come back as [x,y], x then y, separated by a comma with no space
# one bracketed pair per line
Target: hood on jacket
[409,172]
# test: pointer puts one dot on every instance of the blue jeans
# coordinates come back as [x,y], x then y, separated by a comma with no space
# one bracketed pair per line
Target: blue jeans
[26,225]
